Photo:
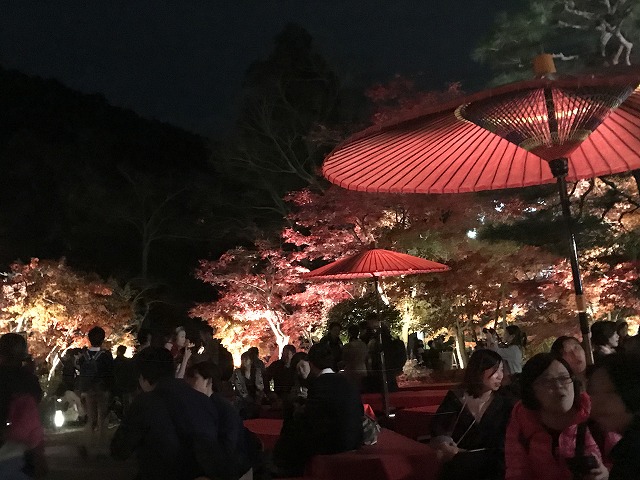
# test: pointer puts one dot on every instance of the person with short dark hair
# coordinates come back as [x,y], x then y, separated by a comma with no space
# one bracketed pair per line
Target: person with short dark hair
[355,358]
[214,351]
[242,446]
[125,381]
[281,373]
[22,440]
[164,422]
[542,436]
[614,387]
[332,338]
[329,422]
[95,367]
[570,349]
[604,337]
[469,427]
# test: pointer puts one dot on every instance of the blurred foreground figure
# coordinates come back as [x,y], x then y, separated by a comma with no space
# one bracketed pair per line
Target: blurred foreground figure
[159,421]
[22,436]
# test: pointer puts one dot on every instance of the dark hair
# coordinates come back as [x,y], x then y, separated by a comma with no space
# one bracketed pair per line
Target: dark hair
[353,331]
[253,351]
[519,337]
[535,367]
[620,325]
[144,334]
[121,349]
[154,364]
[602,331]
[632,345]
[297,358]
[207,370]
[335,324]
[320,356]
[206,328]
[557,347]
[13,349]
[480,361]
[96,336]
[291,348]
[624,372]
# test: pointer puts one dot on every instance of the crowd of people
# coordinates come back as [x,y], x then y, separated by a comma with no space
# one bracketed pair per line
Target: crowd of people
[184,406]
[554,417]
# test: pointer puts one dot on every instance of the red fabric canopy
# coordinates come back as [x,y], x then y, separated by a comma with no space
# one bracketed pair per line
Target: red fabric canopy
[375,263]
[440,151]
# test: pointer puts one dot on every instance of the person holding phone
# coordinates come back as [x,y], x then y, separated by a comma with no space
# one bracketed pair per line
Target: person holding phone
[547,436]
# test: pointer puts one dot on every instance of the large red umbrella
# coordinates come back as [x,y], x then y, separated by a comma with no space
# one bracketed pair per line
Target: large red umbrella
[521,134]
[376,263]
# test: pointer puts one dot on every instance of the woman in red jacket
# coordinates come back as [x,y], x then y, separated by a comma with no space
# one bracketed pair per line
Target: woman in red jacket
[548,427]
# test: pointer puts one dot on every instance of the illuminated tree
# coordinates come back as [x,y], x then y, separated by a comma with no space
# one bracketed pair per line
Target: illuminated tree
[578,33]
[56,306]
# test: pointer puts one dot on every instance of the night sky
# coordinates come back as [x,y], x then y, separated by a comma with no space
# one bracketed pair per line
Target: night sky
[183,61]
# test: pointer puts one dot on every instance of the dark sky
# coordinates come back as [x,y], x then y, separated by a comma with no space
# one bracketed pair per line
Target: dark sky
[182,61]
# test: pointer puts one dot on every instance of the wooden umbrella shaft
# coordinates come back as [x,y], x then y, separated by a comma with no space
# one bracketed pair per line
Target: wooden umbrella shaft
[385,385]
[560,168]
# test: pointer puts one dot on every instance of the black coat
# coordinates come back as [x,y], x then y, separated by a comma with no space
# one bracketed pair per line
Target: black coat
[331,422]
[488,434]
[157,428]
[333,414]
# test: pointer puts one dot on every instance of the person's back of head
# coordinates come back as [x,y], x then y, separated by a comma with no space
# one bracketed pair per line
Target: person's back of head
[13,349]
[144,337]
[602,331]
[96,336]
[353,331]
[321,356]
[518,337]
[155,364]
[121,350]
[209,371]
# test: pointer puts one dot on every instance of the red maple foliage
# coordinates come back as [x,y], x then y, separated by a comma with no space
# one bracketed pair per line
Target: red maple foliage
[56,306]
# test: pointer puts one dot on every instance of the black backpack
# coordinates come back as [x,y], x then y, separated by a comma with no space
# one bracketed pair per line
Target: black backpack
[89,379]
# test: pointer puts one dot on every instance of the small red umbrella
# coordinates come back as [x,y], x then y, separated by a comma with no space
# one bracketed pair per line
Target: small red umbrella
[521,134]
[376,263]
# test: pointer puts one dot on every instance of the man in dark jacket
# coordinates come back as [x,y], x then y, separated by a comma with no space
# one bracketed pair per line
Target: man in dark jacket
[163,421]
[331,421]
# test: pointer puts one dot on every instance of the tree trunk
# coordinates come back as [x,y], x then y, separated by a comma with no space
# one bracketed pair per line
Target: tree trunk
[636,177]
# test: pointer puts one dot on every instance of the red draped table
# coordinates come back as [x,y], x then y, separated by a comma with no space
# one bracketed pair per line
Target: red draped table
[394,457]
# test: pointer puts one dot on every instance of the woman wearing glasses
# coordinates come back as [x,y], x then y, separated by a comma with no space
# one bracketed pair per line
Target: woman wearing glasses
[547,436]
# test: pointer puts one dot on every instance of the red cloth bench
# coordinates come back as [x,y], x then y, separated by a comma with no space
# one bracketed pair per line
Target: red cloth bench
[414,422]
[405,399]
[394,457]
[429,386]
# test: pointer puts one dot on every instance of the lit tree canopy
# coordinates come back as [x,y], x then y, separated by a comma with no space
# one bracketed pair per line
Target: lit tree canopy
[578,33]
[56,306]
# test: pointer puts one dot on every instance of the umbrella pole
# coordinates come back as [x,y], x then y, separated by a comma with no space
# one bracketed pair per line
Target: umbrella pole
[385,385]
[559,169]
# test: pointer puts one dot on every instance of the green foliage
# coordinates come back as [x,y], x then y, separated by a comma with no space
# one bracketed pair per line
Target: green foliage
[356,310]
[570,30]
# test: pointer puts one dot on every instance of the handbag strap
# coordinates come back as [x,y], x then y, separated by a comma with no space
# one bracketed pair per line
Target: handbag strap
[581,433]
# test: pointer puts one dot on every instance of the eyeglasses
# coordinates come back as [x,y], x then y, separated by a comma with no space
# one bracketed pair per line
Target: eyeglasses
[551,382]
